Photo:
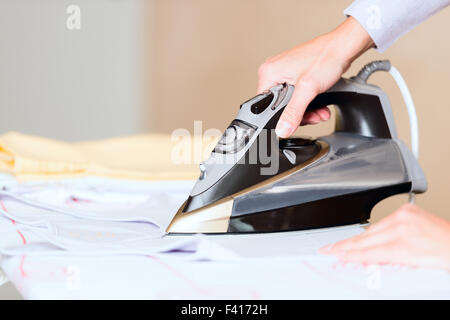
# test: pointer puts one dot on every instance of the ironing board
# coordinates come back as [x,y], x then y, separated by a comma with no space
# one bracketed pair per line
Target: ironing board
[281,265]
[277,266]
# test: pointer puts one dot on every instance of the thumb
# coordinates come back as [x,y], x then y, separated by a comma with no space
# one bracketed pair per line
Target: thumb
[306,90]
[265,84]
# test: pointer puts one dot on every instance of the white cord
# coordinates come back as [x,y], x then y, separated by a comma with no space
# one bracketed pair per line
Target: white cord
[413,124]
[414,127]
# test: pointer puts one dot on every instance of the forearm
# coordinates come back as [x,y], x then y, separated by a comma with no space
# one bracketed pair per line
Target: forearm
[387,20]
[349,40]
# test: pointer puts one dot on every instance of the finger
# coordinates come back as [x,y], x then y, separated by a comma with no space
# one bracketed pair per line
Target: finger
[333,248]
[305,91]
[267,77]
[388,221]
[374,255]
[361,241]
[382,224]
[394,253]
[316,116]
[310,117]
[265,84]
[324,113]
[388,253]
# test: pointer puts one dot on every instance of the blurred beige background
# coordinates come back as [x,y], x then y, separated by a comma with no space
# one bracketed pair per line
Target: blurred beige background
[71,84]
[205,55]
[157,65]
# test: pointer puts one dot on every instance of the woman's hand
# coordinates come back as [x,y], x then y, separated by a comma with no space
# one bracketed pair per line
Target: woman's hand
[313,67]
[410,237]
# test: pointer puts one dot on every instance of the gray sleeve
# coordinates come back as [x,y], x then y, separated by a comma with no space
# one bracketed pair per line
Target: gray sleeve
[387,20]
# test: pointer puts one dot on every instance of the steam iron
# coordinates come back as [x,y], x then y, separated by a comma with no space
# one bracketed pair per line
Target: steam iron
[255,182]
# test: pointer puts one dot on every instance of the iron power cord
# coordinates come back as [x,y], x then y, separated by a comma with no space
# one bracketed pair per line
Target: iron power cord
[385,65]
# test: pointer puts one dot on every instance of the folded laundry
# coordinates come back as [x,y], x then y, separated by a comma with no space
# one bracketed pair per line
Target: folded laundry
[102,239]
[145,156]
[100,216]
[94,214]
[153,205]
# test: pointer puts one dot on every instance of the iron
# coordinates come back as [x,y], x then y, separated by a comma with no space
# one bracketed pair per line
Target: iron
[255,182]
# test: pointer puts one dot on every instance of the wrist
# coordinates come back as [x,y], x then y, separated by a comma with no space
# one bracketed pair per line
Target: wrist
[350,40]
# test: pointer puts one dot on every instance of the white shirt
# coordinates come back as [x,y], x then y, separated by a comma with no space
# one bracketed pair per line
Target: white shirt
[388,20]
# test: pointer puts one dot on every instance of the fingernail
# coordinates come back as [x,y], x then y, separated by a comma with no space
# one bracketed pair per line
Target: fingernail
[283,129]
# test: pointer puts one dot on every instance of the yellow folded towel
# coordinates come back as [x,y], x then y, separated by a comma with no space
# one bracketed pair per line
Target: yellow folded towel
[145,156]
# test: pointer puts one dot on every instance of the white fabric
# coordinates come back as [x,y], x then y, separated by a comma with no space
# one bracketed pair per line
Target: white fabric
[58,249]
[104,199]
[153,277]
[92,216]
[37,230]
[387,20]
